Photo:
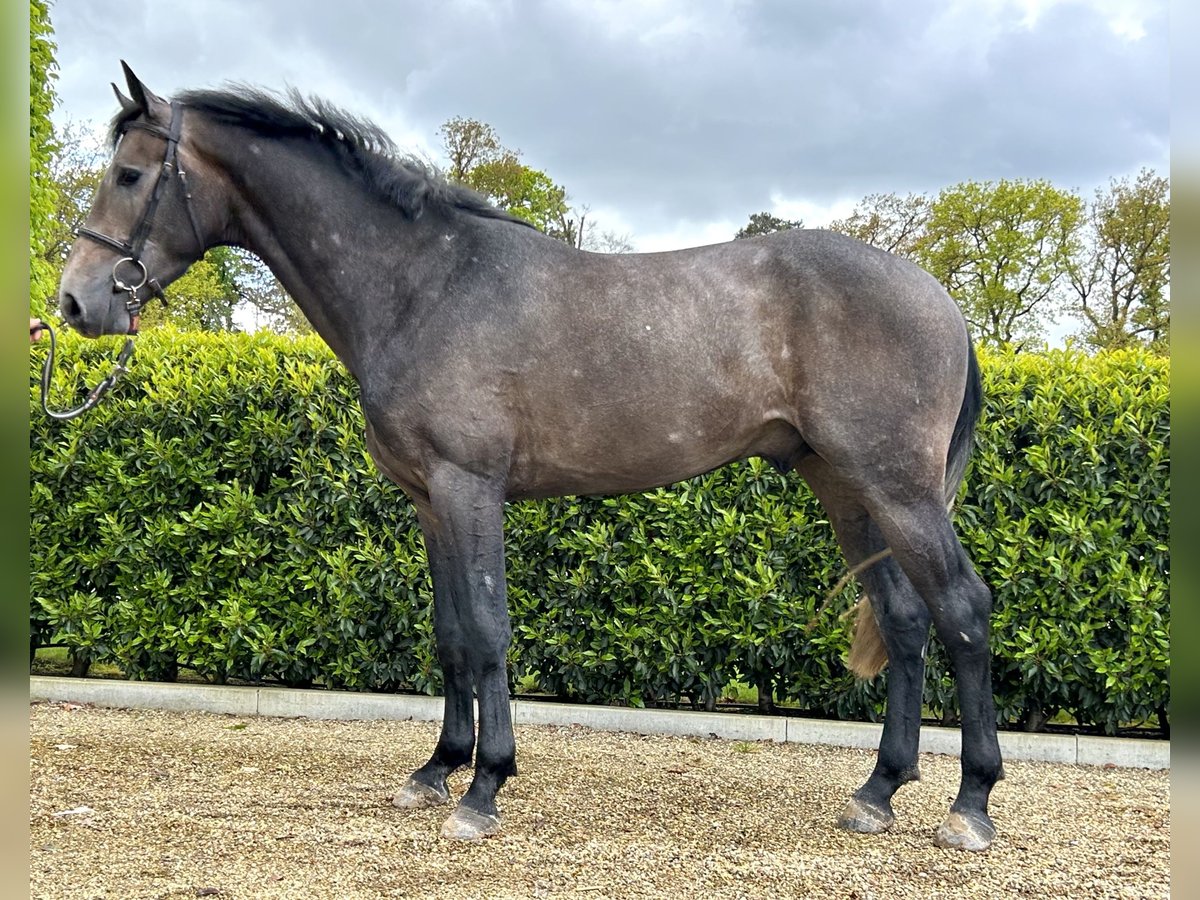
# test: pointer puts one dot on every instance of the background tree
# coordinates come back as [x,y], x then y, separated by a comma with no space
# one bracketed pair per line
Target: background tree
[468,143]
[572,226]
[888,221]
[202,299]
[1122,279]
[524,192]
[766,223]
[42,99]
[263,302]
[478,160]
[607,242]
[75,169]
[228,290]
[1003,250]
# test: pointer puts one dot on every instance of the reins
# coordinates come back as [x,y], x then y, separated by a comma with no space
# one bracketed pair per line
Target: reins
[95,394]
[131,251]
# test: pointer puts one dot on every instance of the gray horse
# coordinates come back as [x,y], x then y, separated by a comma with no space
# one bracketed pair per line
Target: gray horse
[495,363]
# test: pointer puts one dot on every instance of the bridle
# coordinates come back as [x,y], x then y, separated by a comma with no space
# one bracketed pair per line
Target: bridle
[131,249]
[131,255]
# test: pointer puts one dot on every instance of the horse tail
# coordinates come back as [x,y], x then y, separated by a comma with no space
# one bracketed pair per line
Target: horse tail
[868,654]
[962,441]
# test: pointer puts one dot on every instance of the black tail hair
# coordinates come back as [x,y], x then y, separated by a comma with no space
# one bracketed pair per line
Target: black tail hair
[963,439]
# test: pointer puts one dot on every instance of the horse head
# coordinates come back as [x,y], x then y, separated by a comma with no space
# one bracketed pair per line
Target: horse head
[144,228]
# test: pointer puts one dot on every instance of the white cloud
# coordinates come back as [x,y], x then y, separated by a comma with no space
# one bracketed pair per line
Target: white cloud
[811,213]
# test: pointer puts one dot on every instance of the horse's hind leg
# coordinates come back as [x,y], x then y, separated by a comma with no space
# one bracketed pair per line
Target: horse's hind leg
[903,621]
[923,542]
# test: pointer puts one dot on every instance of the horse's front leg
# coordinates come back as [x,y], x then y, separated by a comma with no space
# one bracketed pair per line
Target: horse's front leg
[466,521]
[427,786]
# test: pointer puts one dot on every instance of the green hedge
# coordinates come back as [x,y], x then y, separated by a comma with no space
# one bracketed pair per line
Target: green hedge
[219,512]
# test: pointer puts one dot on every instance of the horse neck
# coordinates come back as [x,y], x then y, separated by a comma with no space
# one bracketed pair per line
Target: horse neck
[349,259]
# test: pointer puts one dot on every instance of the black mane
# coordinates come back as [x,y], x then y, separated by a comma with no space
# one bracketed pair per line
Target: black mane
[360,146]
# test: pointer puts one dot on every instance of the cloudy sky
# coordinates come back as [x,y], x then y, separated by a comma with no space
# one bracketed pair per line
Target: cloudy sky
[673,120]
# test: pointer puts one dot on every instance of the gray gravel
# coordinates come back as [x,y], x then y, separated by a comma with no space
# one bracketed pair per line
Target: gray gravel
[149,804]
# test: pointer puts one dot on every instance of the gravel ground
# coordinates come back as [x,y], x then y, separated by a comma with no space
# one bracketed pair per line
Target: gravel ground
[148,804]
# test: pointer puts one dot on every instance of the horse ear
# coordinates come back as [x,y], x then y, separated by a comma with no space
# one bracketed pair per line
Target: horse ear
[145,99]
[127,105]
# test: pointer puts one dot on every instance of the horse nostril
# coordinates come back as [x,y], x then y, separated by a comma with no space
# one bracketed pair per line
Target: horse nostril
[71,309]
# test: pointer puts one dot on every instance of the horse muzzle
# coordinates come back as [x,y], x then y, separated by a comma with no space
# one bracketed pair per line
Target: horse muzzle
[76,316]
[110,318]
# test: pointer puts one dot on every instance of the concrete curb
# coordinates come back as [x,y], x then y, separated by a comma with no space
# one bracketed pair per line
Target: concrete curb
[319,704]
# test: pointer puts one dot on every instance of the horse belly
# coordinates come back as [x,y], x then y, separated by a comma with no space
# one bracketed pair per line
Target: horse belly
[622,447]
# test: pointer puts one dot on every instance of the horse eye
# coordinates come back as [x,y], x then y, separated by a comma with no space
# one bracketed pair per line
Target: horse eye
[127,177]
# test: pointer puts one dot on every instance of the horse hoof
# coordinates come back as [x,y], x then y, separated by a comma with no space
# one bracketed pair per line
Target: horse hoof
[963,832]
[467,825]
[865,818]
[418,795]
